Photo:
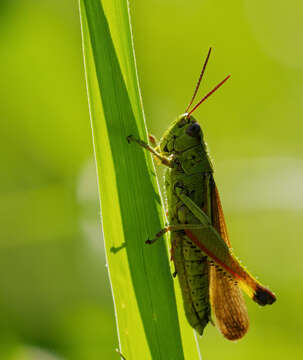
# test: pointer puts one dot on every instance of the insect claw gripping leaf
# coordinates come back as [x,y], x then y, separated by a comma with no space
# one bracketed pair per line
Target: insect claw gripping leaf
[210,276]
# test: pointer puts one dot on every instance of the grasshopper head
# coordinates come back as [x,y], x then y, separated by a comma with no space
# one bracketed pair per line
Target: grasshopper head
[185,132]
[182,134]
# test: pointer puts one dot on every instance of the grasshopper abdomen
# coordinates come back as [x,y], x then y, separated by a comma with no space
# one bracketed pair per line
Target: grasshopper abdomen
[192,269]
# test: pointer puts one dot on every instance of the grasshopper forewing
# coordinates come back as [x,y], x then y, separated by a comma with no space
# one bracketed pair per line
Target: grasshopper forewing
[210,276]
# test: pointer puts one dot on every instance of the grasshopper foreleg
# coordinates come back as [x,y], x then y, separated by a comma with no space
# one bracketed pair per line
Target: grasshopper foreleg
[164,160]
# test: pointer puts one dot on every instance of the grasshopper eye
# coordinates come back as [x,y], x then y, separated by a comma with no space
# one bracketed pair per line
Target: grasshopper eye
[193,130]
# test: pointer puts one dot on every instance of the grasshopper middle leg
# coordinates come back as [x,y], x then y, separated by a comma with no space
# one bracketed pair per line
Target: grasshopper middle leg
[175,228]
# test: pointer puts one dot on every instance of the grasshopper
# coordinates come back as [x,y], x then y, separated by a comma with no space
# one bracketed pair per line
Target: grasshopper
[209,274]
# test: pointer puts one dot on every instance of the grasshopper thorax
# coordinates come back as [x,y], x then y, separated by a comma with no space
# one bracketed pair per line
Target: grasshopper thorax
[183,133]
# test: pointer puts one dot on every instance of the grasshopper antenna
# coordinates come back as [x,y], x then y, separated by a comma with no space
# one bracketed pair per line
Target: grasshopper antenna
[199,80]
[206,96]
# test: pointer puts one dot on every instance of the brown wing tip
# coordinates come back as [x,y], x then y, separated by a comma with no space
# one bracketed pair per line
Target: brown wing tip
[236,335]
[235,329]
[263,296]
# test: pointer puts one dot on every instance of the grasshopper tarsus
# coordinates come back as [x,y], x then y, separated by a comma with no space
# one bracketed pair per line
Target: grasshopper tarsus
[150,241]
[129,138]
[174,274]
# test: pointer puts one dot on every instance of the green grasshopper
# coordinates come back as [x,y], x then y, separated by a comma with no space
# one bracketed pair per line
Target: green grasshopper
[210,276]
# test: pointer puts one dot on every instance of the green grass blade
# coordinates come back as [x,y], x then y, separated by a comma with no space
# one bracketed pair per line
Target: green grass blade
[141,281]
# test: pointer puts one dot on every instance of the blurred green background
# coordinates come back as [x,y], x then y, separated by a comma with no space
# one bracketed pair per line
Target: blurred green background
[55,298]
